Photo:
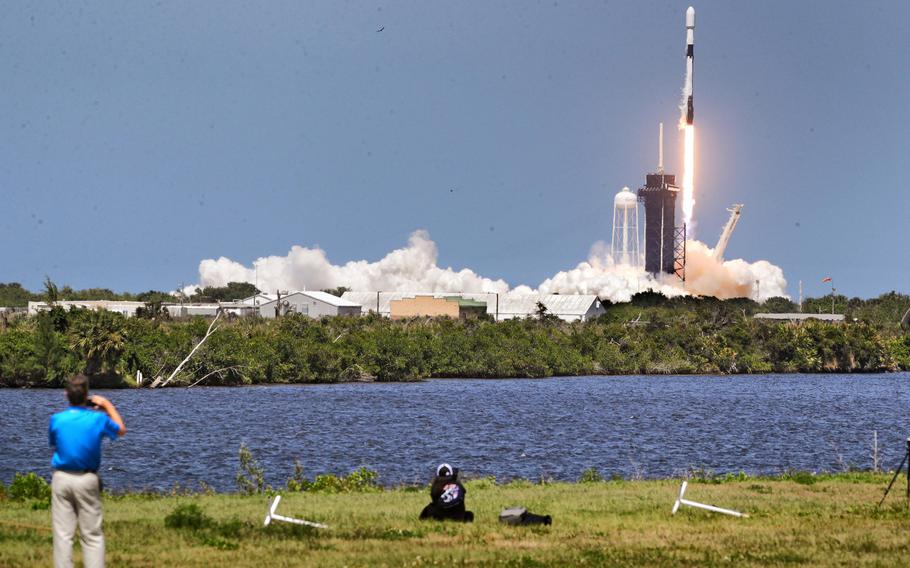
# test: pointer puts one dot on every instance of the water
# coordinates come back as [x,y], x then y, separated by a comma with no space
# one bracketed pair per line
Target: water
[648,426]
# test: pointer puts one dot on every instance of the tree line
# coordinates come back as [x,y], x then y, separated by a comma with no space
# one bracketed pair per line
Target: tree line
[649,335]
[14,295]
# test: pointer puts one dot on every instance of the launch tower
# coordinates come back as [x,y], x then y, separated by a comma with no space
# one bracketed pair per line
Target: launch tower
[659,197]
[665,243]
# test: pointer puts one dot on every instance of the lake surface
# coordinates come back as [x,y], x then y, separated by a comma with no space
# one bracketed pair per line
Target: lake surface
[630,426]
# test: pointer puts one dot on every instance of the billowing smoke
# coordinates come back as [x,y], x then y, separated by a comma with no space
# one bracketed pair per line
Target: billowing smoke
[600,275]
[413,268]
[410,268]
[705,276]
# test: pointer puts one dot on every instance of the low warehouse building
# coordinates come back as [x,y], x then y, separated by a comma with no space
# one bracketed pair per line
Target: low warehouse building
[124,308]
[567,307]
[794,317]
[312,304]
[422,306]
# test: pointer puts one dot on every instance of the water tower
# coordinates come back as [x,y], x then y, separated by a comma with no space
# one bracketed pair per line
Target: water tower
[624,246]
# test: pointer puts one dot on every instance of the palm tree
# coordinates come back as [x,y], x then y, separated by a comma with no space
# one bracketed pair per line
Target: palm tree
[51,294]
[99,338]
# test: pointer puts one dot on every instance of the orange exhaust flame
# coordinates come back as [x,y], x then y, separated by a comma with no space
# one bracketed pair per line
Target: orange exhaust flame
[688,184]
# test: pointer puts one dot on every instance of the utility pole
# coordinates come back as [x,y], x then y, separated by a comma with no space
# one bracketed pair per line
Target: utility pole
[833,290]
[829,280]
[800,296]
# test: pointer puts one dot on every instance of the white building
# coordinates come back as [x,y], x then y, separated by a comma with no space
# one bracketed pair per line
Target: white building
[127,309]
[567,307]
[800,317]
[313,304]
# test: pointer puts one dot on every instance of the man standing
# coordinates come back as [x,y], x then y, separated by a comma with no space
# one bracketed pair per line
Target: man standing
[76,434]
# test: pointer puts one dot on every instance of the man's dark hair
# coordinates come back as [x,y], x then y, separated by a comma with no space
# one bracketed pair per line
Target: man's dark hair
[76,389]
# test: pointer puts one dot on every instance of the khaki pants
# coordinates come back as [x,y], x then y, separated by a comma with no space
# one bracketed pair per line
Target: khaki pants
[77,497]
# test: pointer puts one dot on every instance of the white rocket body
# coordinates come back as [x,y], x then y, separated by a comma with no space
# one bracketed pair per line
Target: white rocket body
[690,64]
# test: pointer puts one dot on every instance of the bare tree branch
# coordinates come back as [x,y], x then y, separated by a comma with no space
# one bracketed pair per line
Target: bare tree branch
[218,372]
[212,329]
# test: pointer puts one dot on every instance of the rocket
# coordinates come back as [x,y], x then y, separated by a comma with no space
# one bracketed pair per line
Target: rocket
[690,63]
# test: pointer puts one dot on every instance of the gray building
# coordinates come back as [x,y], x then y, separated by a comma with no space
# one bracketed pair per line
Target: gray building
[567,307]
[801,317]
[312,304]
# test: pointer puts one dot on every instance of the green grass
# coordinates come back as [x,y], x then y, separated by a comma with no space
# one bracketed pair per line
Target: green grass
[832,521]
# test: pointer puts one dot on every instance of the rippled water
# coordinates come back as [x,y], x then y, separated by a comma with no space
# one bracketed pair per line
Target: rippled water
[650,426]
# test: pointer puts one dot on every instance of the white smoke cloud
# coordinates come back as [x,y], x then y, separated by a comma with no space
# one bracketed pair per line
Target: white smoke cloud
[600,275]
[414,268]
[410,268]
[705,276]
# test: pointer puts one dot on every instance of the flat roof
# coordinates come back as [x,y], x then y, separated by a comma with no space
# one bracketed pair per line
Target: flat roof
[801,316]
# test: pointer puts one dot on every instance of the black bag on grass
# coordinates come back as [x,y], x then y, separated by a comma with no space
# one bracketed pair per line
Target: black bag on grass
[521,516]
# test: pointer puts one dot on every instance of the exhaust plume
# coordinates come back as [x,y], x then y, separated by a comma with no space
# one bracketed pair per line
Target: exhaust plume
[414,269]
[410,268]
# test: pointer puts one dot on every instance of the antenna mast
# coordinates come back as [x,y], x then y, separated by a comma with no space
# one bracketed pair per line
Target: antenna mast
[660,150]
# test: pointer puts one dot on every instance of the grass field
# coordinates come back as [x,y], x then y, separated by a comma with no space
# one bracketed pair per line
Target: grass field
[806,520]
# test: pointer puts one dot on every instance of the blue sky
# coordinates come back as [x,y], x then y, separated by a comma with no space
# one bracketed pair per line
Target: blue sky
[138,138]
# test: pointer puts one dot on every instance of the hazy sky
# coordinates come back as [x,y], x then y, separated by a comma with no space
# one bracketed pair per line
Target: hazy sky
[138,138]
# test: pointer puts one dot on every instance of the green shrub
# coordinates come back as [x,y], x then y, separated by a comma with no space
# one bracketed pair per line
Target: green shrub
[188,516]
[251,477]
[361,480]
[701,475]
[801,477]
[298,482]
[29,486]
[590,475]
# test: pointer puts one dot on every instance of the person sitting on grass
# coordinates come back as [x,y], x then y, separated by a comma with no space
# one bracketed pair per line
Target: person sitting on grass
[447,497]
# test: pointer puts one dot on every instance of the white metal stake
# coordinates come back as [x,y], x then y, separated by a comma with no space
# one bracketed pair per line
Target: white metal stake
[681,501]
[273,516]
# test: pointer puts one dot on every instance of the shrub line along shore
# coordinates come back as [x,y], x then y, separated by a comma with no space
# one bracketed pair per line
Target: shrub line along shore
[650,335]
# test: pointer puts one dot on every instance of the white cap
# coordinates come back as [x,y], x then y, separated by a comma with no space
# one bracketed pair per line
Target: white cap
[444,466]
[625,199]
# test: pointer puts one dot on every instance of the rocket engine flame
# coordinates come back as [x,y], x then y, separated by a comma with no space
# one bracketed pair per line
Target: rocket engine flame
[688,184]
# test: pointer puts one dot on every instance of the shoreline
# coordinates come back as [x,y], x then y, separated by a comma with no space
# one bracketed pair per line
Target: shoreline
[122,383]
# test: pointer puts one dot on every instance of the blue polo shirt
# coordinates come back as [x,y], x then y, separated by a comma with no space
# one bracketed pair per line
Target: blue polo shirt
[76,435]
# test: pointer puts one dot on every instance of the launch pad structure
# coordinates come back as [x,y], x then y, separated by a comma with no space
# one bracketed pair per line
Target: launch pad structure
[665,243]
